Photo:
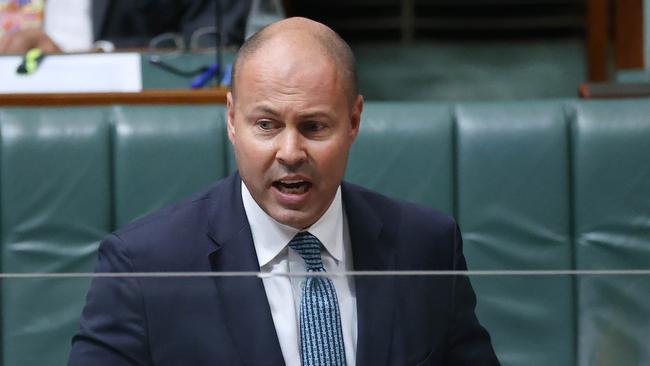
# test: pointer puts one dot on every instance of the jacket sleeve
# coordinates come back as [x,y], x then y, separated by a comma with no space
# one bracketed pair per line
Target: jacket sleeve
[469,342]
[112,328]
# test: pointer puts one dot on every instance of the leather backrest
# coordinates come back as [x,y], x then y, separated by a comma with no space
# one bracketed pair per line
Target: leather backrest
[405,150]
[56,206]
[535,185]
[164,153]
[69,176]
[513,210]
[611,154]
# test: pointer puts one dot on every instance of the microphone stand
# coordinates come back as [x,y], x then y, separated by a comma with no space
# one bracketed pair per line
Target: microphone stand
[218,27]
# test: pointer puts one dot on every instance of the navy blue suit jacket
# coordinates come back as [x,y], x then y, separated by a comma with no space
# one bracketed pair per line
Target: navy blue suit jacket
[227,321]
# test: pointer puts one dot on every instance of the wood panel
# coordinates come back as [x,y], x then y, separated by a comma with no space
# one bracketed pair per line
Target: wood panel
[597,40]
[155,96]
[614,90]
[629,34]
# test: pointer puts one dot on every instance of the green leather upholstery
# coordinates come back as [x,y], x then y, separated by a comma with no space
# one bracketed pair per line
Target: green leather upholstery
[405,150]
[71,175]
[513,209]
[534,185]
[163,154]
[56,207]
[612,230]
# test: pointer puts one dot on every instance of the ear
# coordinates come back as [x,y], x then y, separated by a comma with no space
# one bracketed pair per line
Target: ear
[355,117]
[230,117]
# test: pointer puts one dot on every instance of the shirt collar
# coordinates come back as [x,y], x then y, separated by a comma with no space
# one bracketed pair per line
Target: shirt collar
[271,237]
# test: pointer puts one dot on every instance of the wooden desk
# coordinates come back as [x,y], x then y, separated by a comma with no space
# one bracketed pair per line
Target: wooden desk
[625,18]
[614,90]
[150,96]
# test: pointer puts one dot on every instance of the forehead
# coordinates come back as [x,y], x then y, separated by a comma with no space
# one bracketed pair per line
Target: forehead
[291,71]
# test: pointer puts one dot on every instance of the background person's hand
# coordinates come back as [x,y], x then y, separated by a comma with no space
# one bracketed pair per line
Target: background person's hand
[23,40]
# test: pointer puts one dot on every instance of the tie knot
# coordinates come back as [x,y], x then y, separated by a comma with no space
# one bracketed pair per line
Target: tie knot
[308,246]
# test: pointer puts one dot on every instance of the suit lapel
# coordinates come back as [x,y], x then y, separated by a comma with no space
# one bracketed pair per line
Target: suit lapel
[246,309]
[372,250]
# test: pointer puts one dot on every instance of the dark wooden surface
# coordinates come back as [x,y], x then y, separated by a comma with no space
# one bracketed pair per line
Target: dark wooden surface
[597,40]
[629,34]
[151,96]
[614,90]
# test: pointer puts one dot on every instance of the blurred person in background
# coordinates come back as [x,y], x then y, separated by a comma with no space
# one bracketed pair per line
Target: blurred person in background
[85,25]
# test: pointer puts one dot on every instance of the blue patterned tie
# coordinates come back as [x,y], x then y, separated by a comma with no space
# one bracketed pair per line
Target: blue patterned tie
[321,337]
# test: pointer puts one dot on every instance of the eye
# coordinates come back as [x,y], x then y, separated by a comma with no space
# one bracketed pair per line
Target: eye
[313,127]
[265,124]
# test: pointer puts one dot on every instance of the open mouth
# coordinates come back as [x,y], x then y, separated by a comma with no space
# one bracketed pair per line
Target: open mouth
[292,186]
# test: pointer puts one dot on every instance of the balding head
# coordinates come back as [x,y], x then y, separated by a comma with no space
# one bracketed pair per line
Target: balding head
[300,38]
[293,116]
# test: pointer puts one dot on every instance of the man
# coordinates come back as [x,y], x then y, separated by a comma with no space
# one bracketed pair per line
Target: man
[293,114]
[80,25]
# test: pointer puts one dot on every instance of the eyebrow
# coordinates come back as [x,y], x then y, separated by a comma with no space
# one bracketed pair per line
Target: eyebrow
[264,109]
[306,115]
[315,114]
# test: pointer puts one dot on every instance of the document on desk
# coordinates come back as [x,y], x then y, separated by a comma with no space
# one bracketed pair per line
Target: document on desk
[74,73]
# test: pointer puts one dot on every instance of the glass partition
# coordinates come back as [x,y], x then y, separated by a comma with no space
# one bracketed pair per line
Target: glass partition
[533,317]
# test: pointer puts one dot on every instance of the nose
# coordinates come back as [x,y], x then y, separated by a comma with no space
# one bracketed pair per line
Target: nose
[291,150]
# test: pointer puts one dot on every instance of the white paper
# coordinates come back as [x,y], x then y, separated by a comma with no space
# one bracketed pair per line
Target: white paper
[78,73]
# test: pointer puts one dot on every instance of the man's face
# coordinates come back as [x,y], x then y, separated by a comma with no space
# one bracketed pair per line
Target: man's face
[292,126]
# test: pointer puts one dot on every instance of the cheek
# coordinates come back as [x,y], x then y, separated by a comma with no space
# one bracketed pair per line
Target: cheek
[253,156]
[333,161]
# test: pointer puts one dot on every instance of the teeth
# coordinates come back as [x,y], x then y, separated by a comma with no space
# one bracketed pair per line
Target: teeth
[294,190]
[293,186]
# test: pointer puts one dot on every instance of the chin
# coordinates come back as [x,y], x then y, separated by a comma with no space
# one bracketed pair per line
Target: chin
[294,219]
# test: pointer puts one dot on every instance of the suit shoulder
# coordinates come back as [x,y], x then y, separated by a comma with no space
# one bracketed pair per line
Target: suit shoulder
[182,207]
[409,213]
[184,216]
[173,238]
[423,238]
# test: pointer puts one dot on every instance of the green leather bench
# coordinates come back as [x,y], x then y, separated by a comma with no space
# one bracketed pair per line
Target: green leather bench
[554,185]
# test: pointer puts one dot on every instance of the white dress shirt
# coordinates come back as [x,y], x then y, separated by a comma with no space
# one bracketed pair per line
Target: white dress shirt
[283,293]
[69,24]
